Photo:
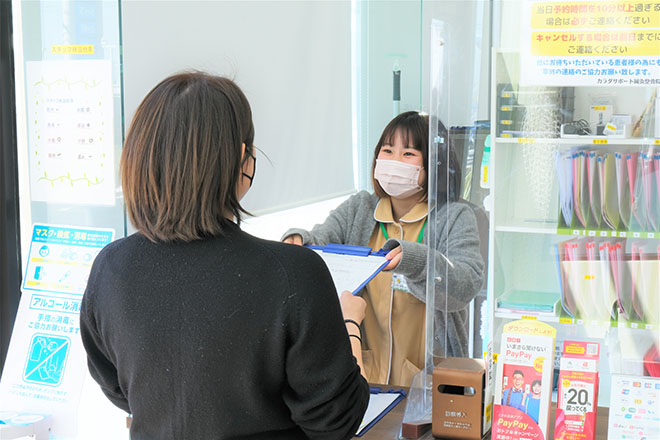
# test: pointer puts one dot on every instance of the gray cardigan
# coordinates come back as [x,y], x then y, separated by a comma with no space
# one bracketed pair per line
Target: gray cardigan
[353,222]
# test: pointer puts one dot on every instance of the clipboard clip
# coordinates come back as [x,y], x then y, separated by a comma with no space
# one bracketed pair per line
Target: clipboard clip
[347,249]
[378,390]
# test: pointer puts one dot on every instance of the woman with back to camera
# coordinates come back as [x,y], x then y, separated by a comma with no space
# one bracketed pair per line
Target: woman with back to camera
[394,218]
[196,328]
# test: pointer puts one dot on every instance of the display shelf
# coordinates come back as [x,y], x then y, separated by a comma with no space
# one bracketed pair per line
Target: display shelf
[513,315]
[529,235]
[565,320]
[540,229]
[573,141]
[606,233]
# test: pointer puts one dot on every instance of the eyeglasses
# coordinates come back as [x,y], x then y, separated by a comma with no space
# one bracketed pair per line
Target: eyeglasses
[254,166]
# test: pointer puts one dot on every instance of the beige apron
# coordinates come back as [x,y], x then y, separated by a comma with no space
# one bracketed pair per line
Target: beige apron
[393,328]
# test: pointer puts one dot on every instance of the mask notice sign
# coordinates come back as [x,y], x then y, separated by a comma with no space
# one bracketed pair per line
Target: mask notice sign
[45,365]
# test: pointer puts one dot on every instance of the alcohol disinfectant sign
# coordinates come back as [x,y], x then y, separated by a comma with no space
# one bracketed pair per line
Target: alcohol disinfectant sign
[46,365]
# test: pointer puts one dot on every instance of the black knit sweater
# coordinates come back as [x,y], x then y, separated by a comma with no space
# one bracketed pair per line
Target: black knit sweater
[231,337]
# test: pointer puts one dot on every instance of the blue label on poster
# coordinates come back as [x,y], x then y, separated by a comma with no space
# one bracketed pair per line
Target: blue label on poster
[46,359]
[61,257]
[70,236]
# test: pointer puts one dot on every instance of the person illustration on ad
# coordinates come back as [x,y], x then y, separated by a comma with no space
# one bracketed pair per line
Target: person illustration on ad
[513,396]
[533,401]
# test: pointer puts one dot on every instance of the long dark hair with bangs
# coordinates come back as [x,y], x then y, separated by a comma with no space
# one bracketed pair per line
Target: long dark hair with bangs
[182,157]
[414,129]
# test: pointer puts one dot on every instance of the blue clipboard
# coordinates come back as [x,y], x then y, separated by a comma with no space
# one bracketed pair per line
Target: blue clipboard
[352,253]
[375,390]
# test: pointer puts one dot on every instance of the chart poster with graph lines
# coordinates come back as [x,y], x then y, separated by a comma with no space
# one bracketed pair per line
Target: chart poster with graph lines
[70,132]
[45,365]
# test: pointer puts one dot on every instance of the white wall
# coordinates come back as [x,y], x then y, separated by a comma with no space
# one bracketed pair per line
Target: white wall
[292,60]
[272,226]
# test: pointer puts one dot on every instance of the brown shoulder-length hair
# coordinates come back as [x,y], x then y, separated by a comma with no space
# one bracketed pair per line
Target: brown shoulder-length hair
[182,157]
[414,129]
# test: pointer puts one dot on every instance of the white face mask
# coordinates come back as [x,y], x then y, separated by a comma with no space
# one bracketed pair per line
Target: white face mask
[398,179]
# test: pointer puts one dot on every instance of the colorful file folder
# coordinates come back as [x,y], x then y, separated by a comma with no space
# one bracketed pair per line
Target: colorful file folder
[603,279]
[615,190]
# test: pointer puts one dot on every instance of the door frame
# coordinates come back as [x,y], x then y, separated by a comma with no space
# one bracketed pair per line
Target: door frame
[10,250]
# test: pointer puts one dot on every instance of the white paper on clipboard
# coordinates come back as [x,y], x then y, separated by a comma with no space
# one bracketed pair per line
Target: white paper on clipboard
[349,271]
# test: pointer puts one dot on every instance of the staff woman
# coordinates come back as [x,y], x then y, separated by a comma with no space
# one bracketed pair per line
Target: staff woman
[394,217]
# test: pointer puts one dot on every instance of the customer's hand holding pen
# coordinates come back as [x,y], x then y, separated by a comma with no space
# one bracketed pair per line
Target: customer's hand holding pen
[352,307]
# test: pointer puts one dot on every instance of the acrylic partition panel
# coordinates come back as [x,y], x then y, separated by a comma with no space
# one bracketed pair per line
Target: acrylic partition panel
[391,64]
[457,232]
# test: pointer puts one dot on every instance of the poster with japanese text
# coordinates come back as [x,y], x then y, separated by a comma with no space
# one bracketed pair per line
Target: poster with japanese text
[70,132]
[523,384]
[590,43]
[46,363]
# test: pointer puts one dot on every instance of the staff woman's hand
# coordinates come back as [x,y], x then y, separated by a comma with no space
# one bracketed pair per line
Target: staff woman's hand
[294,239]
[395,258]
